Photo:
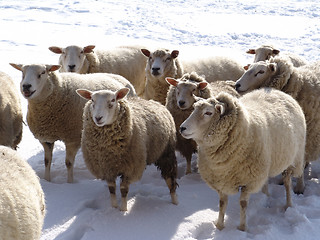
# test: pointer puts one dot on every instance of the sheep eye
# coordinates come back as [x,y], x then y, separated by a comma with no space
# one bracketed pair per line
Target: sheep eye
[113,100]
[260,72]
[208,113]
[168,59]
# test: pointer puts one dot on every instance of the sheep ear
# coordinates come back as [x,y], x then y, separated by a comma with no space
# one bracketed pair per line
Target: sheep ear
[120,94]
[251,51]
[88,49]
[202,85]
[146,52]
[17,66]
[172,81]
[86,94]
[174,53]
[51,68]
[246,67]
[275,51]
[56,50]
[272,67]
[220,108]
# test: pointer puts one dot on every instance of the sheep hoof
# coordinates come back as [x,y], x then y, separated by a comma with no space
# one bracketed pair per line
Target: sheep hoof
[124,207]
[242,227]
[219,226]
[174,199]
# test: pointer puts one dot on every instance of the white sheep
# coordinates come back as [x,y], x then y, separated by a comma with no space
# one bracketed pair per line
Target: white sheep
[127,61]
[302,83]
[244,141]
[10,113]
[265,52]
[162,63]
[182,94]
[120,137]
[22,203]
[54,108]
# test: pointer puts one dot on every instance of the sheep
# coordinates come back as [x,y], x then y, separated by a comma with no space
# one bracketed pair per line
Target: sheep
[10,113]
[264,53]
[126,61]
[120,137]
[162,63]
[54,108]
[181,96]
[22,203]
[242,142]
[302,83]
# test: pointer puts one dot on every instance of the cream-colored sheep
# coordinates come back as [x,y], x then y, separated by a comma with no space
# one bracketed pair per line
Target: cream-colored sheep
[265,52]
[22,203]
[244,141]
[54,108]
[10,113]
[127,61]
[162,63]
[302,83]
[182,95]
[120,137]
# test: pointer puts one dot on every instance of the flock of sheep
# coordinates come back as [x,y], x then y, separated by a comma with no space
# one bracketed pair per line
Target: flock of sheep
[129,107]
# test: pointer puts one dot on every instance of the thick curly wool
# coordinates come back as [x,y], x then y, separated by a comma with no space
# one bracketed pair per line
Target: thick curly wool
[258,136]
[142,133]
[303,84]
[10,113]
[22,203]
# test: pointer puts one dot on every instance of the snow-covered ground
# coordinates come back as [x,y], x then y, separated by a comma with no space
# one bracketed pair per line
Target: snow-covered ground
[82,210]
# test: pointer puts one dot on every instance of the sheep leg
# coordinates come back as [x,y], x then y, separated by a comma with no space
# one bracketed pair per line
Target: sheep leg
[112,191]
[244,199]
[172,185]
[48,148]
[71,151]
[223,202]
[124,189]
[299,188]
[265,189]
[287,184]
[188,170]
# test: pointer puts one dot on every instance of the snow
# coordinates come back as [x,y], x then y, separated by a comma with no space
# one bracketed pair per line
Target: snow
[82,210]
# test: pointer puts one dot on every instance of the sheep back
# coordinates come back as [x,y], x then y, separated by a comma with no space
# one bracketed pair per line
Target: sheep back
[143,133]
[127,61]
[22,203]
[10,113]
[215,68]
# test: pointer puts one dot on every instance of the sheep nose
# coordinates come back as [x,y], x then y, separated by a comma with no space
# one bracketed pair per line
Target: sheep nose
[237,86]
[155,71]
[71,67]
[182,129]
[26,87]
[98,119]
[181,103]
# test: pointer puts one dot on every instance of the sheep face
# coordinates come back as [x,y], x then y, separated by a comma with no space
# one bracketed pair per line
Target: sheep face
[205,114]
[263,53]
[160,61]
[257,74]
[186,92]
[72,57]
[34,78]
[104,104]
